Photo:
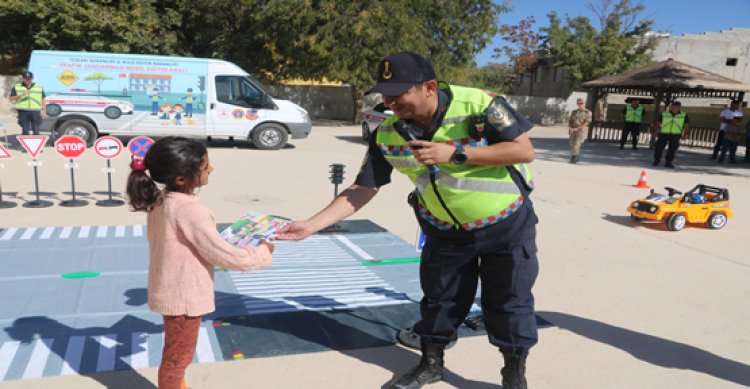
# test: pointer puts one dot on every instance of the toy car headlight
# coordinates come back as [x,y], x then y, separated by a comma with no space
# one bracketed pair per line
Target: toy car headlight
[652,209]
[635,204]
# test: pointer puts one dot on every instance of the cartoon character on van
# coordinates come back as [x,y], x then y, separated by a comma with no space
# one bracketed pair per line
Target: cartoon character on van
[177,114]
[188,102]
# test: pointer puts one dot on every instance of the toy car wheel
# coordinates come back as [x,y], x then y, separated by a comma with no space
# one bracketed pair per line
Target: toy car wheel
[716,220]
[636,218]
[53,109]
[676,222]
[112,112]
[365,131]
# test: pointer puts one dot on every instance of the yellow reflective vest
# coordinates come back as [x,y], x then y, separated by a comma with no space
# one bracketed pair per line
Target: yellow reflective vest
[634,115]
[477,196]
[32,102]
[672,124]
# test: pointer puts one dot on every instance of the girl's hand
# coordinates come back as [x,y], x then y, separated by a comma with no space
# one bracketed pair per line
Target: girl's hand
[268,245]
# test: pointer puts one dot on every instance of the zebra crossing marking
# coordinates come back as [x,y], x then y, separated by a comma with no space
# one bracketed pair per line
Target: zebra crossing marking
[84,232]
[38,359]
[28,233]
[9,234]
[73,355]
[7,351]
[47,232]
[139,359]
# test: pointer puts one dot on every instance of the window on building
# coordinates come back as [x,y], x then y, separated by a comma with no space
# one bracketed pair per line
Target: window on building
[731,61]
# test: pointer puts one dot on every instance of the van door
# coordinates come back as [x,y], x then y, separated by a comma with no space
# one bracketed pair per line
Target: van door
[237,107]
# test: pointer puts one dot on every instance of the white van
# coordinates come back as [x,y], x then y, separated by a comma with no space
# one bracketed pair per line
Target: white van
[91,94]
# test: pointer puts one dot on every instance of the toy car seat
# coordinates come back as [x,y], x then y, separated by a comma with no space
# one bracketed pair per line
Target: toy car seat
[697,198]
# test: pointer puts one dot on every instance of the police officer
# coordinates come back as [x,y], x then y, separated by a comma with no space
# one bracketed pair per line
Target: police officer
[633,115]
[672,126]
[30,104]
[465,153]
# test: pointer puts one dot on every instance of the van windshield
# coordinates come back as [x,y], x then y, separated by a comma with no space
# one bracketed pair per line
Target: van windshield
[240,91]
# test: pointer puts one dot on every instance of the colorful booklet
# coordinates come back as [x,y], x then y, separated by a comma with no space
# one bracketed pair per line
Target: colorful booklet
[253,228]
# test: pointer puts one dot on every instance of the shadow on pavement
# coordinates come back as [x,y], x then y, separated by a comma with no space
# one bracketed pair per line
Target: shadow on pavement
[652,349]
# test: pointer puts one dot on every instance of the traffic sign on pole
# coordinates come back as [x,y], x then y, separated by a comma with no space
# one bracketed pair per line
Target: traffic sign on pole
[33,143]
[138,146]
[107,147]
[4,153]
[70,146]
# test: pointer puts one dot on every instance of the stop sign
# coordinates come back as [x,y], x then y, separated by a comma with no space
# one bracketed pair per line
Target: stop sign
[70,146]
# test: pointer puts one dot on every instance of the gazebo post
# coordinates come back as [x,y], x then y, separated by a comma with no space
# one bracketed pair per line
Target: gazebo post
[657,104]
[591,101]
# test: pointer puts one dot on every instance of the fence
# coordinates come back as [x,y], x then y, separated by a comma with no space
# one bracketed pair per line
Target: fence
[612,131]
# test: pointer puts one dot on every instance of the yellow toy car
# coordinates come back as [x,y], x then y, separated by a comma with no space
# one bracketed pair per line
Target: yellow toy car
[702,204]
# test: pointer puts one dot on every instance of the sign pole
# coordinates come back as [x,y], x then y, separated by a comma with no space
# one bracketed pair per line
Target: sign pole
[74,202]
[37,203]
[108,147]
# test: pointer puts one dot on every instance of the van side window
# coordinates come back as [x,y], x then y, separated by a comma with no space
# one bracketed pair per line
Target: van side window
[238,91]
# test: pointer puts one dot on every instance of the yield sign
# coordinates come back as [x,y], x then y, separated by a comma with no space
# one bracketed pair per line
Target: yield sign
[33,143]
[4,153]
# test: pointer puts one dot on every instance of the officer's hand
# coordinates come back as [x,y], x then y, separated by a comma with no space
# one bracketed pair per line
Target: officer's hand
[297,230]
[429,153]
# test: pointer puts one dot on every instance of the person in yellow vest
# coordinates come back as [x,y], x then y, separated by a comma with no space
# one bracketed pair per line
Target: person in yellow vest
[672,126]
[633,116]
[28,98]
[465,152]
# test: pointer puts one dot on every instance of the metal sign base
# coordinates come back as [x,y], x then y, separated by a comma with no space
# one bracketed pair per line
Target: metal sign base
[7,204]
[38,204]
[73,203]
[110,203]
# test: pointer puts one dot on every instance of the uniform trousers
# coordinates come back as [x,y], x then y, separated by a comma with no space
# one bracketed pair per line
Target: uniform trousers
[576,139]
[632,128]
[449,273]
[674,143]
[30,121]
[719,142]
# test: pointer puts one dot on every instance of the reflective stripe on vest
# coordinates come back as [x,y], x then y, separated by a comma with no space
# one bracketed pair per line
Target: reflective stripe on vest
[477,196]
[634,115]
[672,124]
[32,102]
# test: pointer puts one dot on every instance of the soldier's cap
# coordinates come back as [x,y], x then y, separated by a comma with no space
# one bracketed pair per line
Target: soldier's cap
[401,71]
[27,75]
[677,103]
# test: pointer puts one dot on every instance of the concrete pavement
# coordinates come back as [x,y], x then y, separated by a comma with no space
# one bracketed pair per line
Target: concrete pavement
[633,305]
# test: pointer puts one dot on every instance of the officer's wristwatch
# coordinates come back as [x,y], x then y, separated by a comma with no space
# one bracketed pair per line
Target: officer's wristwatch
[459,156]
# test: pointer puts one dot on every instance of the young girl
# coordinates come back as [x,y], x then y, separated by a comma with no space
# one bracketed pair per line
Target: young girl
[184,246]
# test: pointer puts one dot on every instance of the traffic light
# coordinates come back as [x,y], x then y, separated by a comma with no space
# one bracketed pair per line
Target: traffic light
[337,173]
[201,83]
[337,177]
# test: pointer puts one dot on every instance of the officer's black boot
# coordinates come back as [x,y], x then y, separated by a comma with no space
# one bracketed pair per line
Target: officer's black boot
[514,372]
[429,370]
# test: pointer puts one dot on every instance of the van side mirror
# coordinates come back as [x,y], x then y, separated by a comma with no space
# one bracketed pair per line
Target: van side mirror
[267,102]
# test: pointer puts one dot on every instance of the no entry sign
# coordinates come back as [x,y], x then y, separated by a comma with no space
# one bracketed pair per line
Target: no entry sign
[108,147]
[70,146]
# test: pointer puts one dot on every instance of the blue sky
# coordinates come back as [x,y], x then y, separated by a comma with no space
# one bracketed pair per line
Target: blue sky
[673,16]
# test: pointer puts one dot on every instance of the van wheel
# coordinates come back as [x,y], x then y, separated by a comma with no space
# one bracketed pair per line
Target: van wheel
[716,220]
[269,136]
[79,128]
[112,112]
[53,109]
[676,222]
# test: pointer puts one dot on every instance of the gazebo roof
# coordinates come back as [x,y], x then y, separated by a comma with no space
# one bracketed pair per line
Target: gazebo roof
[668,75]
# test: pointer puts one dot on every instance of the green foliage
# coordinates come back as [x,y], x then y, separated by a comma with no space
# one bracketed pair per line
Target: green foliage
[496,77]
[620,43]
[138,26]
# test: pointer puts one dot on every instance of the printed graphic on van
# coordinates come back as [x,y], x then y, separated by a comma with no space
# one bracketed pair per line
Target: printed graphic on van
[89,94]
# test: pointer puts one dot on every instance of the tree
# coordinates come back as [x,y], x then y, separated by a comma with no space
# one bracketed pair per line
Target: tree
[523,45]
[97,78]
[102,25]
[496,77]
[620,44]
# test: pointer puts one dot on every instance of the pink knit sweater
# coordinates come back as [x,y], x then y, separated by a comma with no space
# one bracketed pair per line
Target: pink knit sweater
[184,246]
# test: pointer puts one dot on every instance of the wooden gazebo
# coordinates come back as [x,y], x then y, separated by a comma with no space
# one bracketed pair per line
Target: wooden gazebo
[665,81]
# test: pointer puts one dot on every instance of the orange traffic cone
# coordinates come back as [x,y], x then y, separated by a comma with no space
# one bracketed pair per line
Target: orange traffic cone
[642,181]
